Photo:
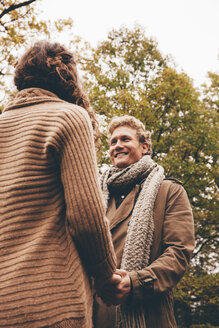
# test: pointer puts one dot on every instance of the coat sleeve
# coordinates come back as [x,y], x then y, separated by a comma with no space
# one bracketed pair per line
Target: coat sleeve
[85,210]
[177,244]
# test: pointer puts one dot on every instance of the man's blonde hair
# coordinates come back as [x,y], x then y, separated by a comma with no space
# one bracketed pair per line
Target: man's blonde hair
[132,122]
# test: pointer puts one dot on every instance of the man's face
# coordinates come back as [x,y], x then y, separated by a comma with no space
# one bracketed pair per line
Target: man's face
[125,148]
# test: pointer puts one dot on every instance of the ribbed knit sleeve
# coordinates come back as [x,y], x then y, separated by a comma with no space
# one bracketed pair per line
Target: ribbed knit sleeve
[85,211]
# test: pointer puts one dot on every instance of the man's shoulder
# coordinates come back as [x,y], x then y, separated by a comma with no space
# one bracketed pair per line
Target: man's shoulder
[167,181]
[173,180]
[169,187]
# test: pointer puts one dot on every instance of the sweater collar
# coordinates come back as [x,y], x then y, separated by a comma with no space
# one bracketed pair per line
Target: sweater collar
[31,96]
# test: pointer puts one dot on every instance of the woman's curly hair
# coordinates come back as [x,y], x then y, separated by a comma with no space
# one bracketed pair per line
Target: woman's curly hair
[52,67]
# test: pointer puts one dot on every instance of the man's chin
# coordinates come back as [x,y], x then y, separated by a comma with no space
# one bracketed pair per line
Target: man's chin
[121,164]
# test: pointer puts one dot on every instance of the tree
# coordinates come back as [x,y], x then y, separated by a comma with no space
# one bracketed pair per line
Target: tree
[19,25]
[197,300]
[119,73]
[126,74]
[211,91]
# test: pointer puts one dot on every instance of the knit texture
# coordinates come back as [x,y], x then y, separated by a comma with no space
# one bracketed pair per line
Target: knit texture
[139,238]
[76,323]
[53,234]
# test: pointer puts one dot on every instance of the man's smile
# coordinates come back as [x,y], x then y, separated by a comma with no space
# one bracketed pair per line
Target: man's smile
[120,153]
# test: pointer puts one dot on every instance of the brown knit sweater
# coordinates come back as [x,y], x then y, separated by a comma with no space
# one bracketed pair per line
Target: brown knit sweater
[53,233]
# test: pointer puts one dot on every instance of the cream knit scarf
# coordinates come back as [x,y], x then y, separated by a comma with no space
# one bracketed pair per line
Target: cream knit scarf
[139,237]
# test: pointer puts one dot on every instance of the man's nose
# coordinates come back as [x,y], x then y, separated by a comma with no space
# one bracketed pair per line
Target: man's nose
[118,145]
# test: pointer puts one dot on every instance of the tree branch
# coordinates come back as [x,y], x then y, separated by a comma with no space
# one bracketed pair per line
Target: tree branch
[203,244]
[14,7]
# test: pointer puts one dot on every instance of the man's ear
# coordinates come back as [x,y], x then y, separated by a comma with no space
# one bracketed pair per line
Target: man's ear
[144,148]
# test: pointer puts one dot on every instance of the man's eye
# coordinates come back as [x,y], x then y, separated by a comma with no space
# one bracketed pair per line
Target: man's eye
[113,142]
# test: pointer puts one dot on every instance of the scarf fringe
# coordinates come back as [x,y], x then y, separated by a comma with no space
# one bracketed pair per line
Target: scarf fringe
[126,317]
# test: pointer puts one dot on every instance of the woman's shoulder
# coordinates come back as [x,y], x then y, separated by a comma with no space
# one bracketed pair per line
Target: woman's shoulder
[72,110]
[71,114]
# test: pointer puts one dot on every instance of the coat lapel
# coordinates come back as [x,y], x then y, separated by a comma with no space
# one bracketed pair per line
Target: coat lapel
[117,215]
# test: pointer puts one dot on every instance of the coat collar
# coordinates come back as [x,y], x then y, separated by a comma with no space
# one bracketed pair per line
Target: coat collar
[117,215]
[31,96]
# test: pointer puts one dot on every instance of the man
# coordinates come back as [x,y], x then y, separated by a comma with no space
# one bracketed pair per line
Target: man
[152,228]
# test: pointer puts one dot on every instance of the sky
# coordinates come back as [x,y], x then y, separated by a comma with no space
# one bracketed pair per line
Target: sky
[187,30]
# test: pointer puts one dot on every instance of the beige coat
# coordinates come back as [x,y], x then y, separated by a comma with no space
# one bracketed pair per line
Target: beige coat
[170,255]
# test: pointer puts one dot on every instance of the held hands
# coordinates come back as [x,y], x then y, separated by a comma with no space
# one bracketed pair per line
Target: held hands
[117,289]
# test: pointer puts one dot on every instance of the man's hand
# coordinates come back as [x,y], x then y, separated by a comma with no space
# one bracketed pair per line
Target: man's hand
[116,291]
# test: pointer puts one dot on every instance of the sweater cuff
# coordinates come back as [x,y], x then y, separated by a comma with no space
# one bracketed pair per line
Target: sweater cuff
[104,270]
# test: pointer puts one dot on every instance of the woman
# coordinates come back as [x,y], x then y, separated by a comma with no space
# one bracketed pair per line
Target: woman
[53,233]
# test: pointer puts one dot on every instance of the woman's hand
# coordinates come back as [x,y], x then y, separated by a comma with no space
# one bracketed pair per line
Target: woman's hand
[116,292]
